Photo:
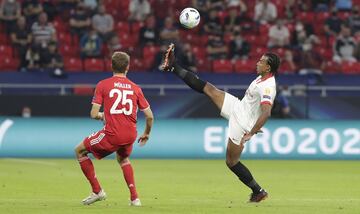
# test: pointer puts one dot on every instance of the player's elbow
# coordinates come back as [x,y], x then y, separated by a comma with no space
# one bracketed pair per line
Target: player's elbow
[150,118]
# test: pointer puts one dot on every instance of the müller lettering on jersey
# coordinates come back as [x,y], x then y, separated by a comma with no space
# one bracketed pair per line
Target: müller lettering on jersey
[121,85]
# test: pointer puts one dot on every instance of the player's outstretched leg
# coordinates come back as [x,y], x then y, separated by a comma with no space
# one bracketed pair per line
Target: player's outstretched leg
[87,168]
[242,172]
[129,178]
[190,78]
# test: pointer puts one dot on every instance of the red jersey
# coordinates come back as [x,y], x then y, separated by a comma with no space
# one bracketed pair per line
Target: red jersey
[121,99]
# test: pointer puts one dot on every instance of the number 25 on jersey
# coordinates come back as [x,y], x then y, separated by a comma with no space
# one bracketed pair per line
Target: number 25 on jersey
[121,97]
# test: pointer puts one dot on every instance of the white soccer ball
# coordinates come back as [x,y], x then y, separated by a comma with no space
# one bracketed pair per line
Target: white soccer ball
[189,17]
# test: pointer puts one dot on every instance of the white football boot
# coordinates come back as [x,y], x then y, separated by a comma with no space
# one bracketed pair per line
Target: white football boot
[135,203]
[93,197]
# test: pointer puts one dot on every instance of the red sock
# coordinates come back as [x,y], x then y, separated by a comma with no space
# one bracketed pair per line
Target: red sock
[129,178]
[88,169]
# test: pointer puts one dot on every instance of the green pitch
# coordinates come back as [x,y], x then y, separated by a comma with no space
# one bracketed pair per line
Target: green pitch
[181,186]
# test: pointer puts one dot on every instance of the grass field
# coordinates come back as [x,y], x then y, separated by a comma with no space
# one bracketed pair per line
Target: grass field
[181,186]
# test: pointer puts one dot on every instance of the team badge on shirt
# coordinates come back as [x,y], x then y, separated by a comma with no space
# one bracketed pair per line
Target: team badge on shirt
[267,91]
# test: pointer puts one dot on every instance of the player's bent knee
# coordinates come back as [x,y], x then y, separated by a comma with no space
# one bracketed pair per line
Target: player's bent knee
[230,162]
[80,150]
[124,161]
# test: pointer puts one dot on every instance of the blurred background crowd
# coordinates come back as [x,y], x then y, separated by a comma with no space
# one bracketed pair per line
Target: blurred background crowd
[311,36]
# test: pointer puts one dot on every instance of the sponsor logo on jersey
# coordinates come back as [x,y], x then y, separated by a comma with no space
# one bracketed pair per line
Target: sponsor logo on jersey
[266,97]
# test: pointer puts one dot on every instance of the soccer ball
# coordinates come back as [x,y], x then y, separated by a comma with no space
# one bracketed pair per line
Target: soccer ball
[189,17]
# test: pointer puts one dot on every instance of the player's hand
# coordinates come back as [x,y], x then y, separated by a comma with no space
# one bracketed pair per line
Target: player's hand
[143,139]
[247,136]
[100,116]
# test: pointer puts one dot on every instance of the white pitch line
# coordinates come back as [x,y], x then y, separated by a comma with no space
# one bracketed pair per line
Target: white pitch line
[29,161]
[4,127]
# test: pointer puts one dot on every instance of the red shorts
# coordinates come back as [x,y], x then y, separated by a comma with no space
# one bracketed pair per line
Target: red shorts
[102,145]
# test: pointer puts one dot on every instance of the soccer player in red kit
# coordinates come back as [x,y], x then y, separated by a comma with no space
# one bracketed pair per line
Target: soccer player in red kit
[121,98]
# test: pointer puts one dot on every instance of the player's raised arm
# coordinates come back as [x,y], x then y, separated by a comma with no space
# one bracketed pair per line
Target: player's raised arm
[95,112]
[149,117]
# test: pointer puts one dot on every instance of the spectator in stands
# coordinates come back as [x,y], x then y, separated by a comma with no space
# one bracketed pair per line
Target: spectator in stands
[80,21]
[309,61]
[279,35]
[239,48]
[159,12]
[169,33]
[345,46]
[33,58]
[64,6]
[290,9]
[201,5]
[233,19]
[265,12]
[103,23]
[212,24]
[287,63]
[186,58]
[90,44]
[52,59]
[216,48]
[320,5]
[50,9]
[43,32]
[21,39]
[343,5]
[217,5]
[333,24]
[149,34]
[354,20]
[357,52]
[114,45]
[240,4]
[91,5]
[32,9]
[301,34]
[26,112]
[281,107]
[10,11]
[139,10]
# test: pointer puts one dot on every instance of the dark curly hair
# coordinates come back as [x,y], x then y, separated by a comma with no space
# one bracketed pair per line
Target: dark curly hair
[274,61]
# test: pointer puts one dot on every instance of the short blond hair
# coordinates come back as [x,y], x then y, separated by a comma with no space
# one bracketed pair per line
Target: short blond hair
[120,61]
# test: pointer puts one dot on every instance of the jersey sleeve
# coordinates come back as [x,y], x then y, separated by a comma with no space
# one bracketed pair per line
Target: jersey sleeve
[98,95]
[267,95]
[142,102]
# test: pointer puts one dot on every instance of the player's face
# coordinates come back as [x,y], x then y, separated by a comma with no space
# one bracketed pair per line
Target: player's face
[262,66]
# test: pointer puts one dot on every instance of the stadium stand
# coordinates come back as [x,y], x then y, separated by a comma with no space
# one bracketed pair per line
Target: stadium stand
[254,33]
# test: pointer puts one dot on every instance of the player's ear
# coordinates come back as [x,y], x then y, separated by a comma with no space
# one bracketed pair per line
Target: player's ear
[269,68]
